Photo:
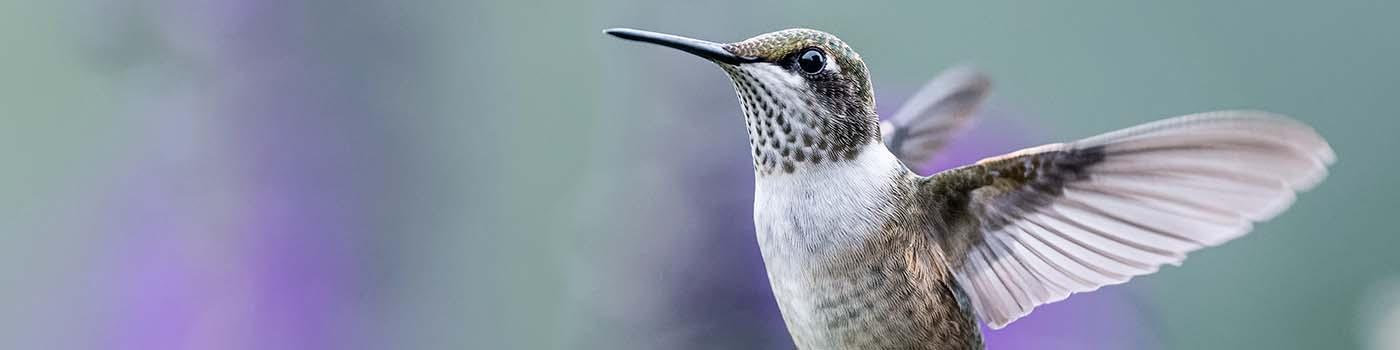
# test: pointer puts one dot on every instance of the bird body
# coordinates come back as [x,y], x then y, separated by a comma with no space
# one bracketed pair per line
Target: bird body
[846,265]
[863,253]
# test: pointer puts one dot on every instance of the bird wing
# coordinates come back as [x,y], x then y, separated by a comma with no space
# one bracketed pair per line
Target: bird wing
[1034,226]
[933,115]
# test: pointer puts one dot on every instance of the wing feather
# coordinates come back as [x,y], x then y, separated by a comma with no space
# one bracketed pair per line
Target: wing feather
[934,115]
[1035,226]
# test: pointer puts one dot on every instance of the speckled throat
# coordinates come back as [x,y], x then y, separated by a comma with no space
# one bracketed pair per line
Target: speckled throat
[789,127]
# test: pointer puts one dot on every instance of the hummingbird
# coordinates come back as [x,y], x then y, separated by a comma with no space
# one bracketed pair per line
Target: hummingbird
[864,253]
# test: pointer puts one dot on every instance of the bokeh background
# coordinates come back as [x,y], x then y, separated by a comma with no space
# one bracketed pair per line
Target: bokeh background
[291,174]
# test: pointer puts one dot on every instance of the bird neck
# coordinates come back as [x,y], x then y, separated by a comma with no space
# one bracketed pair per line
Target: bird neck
[784,144]
[784,140]
[790,128]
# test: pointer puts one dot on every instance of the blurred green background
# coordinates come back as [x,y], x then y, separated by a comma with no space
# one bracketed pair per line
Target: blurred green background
[500,175]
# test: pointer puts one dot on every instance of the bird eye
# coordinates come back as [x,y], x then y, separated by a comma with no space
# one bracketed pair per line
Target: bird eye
[811,60]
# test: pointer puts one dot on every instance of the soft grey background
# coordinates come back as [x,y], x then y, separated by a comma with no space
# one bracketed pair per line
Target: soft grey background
[499,174]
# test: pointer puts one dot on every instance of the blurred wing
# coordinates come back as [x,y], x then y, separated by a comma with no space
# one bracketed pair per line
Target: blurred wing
[929,119]
[1040,224]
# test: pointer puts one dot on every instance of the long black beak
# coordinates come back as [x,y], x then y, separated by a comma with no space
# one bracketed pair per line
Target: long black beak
[709,50]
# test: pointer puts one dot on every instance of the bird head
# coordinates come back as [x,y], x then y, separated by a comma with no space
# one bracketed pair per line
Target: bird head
[805,94]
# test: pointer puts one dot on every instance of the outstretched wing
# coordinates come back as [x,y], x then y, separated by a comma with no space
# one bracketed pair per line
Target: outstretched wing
[1034,226]
[930,119]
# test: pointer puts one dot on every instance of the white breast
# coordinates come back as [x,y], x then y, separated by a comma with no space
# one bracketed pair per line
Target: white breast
[806,219]
[827,203]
